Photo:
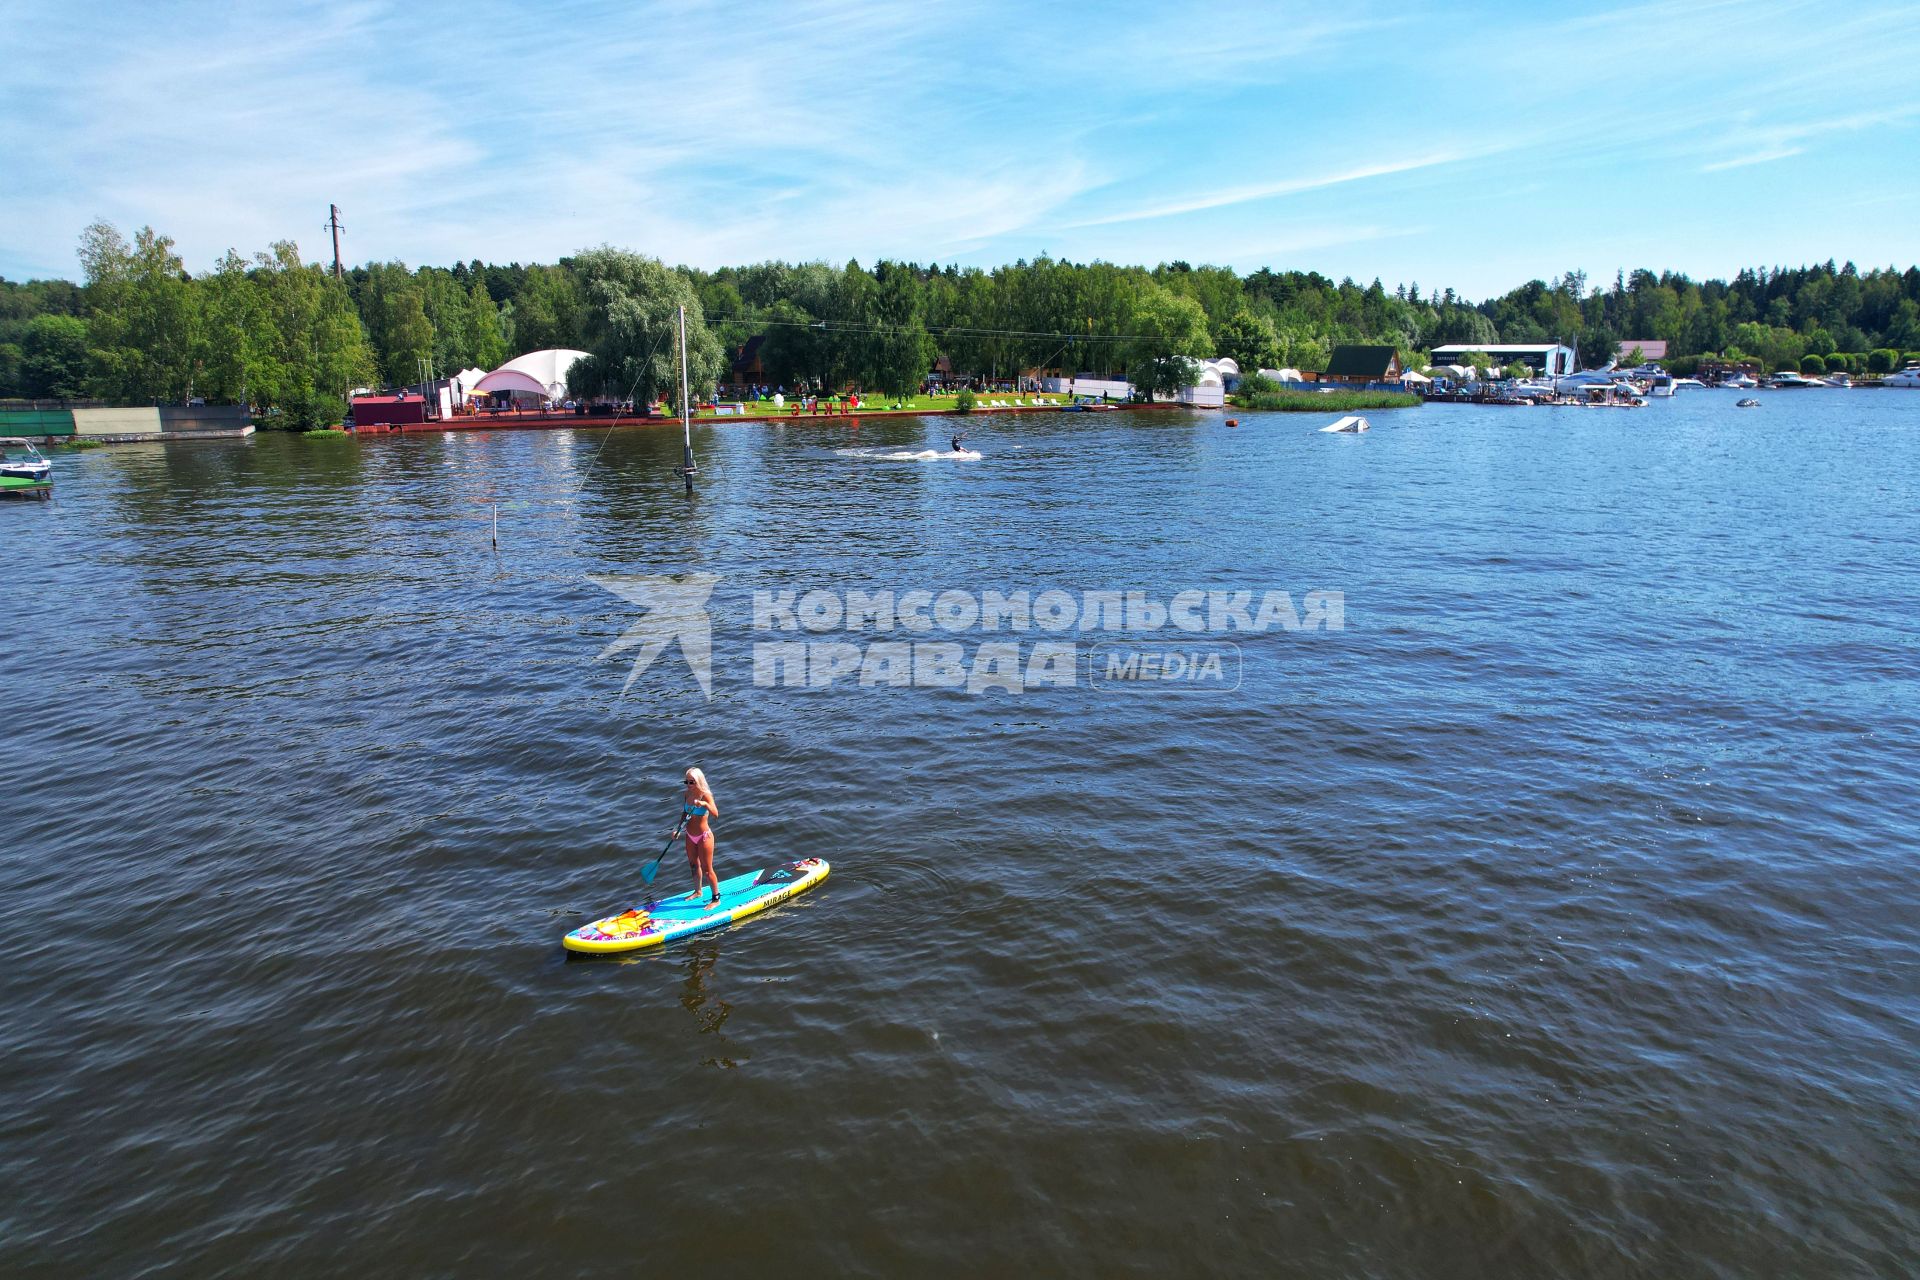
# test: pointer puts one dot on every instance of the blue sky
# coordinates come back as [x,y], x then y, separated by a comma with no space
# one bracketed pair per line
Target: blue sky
[1476,146]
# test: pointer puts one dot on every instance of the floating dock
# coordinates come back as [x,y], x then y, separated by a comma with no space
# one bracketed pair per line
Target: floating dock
[16,487]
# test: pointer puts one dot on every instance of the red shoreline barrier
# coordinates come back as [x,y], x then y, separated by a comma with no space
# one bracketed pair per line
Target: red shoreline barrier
[587,422]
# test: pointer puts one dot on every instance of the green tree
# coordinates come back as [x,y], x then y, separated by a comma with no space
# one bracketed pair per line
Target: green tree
[1249,340]
[793,350]
[1882,360]
[234,338]
[901,353]
[409,335]
[141,326]
[487,347]
[631,329]
[1170,333]
[53,358]
[547,311]
[317,350]
[1813,364]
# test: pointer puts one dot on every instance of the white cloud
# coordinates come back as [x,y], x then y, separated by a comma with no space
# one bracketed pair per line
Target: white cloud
[1271,190]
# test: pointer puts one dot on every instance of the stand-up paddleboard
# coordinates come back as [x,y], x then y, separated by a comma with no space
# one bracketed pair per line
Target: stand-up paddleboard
[679,917]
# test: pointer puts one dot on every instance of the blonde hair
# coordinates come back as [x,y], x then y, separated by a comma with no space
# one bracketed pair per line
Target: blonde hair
[700,778]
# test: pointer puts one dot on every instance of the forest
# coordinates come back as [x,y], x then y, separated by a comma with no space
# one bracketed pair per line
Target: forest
[289,338]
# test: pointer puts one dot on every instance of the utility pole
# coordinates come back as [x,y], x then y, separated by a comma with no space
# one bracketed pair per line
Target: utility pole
[686,410]
[333,224]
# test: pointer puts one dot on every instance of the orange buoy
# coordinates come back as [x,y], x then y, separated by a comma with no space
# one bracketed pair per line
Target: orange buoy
[1233,422]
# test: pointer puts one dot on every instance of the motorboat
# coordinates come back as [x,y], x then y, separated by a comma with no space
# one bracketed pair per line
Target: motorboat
[1577,383]
[1748,404]
[1659,384]
[1612,395]
[1786,381]
[19,460]
[1689,382]
[1840,380]
[1739,382]
[1907,377]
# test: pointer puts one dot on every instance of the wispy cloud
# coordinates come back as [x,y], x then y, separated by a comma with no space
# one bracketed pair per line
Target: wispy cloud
[1764,144]
[1272,190]
[975,130]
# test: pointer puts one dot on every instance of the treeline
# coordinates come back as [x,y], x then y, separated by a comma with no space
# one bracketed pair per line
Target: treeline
[291,340]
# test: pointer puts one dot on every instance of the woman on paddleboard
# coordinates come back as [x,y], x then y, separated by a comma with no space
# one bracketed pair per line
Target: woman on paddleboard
[695,809]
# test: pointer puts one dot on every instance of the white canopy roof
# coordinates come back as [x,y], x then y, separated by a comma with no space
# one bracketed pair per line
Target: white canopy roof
[543,373]
[466,380]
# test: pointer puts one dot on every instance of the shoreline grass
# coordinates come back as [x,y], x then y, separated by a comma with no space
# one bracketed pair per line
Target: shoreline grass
[1326,401]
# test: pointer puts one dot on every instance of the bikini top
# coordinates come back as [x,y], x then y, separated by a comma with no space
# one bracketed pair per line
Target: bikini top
[692,810]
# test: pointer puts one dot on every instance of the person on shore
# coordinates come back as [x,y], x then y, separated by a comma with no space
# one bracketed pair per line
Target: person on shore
[697,809]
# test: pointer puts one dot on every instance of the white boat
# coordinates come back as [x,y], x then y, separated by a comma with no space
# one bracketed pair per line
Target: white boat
[1659,384]
[1841,380]
[1786,381]
[19,460]
[1348,424]
[1577,383]
[1739,382]
[1612,395]
[1907,377]
[1689,382]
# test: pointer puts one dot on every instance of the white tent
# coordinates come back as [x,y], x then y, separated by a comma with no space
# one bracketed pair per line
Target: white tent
[465,381]
[1412,378]
[1282,375]
[540,373]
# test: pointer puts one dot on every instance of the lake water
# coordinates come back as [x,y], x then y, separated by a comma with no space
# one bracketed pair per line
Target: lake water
[1558,914]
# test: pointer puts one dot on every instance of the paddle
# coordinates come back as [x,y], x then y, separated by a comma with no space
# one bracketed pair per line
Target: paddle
[652,869]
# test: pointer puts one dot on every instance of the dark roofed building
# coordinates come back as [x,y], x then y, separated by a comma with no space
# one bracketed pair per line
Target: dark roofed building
[746,361]
[1362,364]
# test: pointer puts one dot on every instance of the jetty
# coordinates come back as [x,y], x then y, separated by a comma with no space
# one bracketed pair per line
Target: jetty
[14,487]
[64,421]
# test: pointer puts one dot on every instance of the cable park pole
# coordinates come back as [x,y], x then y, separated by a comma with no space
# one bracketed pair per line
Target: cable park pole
[686,409]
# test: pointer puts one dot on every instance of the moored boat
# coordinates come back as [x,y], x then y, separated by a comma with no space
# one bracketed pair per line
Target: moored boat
[19,460]
[1785,381]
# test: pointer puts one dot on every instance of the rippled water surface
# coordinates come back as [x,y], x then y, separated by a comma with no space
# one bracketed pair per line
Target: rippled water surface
[1558,916]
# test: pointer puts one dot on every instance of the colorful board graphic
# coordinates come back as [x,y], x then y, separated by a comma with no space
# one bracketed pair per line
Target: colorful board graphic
[679,916]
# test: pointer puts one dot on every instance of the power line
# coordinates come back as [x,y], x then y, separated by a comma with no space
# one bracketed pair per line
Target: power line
[851,326]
